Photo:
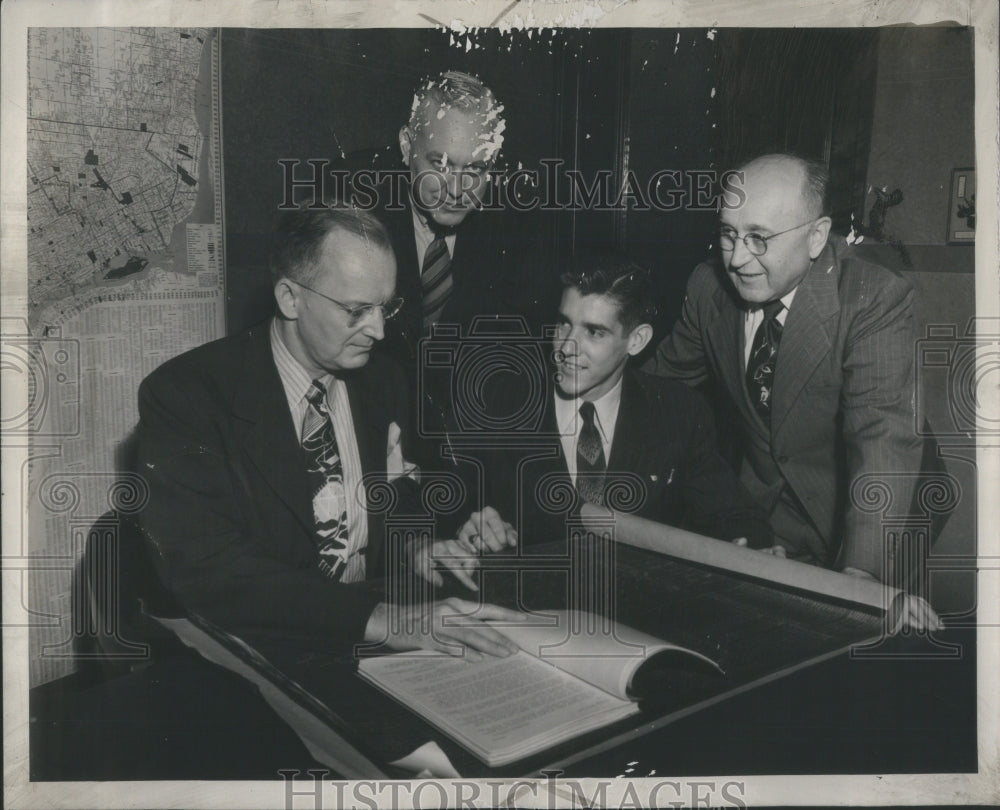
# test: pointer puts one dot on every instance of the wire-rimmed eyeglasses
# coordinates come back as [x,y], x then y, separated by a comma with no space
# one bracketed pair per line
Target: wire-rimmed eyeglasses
[755,242]
[357,313]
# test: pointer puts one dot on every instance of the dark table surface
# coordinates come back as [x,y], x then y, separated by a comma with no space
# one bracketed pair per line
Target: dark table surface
[903,704]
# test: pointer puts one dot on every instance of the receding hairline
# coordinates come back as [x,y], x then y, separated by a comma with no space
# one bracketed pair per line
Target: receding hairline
[303,235]
[811,196]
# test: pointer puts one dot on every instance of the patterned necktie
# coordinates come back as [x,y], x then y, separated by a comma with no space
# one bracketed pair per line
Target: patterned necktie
[590,463]
[326,476]
[435,280]
[763,357]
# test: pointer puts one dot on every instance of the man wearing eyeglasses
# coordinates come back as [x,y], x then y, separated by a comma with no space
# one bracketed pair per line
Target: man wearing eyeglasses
[457,262]
[814,347]
[264,452]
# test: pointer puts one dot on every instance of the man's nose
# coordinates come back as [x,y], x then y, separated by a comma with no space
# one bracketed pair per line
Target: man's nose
[454,186]
[565,345]
[375,324]
[741,254]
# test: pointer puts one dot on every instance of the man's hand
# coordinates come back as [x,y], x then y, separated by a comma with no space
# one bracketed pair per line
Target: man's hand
[774,551]
[487,531]
[447,626]
[913,611]
[427,556]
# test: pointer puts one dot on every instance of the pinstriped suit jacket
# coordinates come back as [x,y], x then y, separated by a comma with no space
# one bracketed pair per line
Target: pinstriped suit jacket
[843,395]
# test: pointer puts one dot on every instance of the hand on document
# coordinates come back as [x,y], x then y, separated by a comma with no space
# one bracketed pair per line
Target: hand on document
[453,626]
[913,611]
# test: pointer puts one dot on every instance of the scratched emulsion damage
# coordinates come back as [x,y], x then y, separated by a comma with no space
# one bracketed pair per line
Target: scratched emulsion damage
[482,109]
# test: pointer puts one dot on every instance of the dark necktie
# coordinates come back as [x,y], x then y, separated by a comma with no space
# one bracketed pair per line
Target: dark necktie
[326,478]
[763,357]
[590,463]
[435,280]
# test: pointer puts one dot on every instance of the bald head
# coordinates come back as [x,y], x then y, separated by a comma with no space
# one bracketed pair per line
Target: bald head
[807,179]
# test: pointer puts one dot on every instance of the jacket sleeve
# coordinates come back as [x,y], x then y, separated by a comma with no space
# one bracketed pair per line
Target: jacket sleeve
[881,444]
[208,541]
[681,354]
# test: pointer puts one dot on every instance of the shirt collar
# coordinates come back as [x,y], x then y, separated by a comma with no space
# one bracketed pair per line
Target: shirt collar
[294,378]
[605,412]
[786,300]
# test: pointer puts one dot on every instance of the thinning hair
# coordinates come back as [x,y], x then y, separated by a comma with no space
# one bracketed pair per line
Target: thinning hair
[816,187]
[626,282]
[452,88]
[300,233]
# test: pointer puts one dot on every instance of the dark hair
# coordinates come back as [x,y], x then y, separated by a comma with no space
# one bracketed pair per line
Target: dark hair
[301,231]
[817,181]
[618,277]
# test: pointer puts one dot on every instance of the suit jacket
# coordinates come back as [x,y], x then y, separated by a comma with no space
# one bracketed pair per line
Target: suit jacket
[842,403]
[663,465]
[229,519]
[500,284]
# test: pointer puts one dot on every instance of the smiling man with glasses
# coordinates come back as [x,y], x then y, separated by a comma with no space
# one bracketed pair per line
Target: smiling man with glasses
[813,345]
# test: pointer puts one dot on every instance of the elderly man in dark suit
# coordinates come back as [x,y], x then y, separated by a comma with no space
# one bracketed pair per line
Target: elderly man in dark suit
[611,434]
[814,347]
[457,262]
[261,449]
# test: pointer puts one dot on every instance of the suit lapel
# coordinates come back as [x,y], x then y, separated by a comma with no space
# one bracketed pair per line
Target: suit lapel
[805,339]
[631,437]
[269,437]
[371,451]
[400,225]
[550,427]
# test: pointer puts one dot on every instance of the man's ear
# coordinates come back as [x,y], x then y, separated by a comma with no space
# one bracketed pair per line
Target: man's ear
[639,338]
[818,236]
[286,295]
[405,143]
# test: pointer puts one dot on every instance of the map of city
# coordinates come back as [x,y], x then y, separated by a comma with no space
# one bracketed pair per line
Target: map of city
[117,164]
[125,270]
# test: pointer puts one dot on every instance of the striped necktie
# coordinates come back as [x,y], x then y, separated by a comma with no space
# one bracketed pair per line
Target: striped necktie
[590,464]
[326,477]
[435,280]
[763,358]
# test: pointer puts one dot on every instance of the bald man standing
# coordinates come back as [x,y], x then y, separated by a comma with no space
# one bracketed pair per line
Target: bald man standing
[814,346]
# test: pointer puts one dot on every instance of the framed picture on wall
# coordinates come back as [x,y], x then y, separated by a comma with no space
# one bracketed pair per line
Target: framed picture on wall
[962,207]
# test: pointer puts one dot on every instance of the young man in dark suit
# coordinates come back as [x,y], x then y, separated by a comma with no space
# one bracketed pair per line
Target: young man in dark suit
[607,433]
[266,453]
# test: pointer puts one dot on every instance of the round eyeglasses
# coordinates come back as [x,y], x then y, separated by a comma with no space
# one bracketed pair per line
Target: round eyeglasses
[755,242]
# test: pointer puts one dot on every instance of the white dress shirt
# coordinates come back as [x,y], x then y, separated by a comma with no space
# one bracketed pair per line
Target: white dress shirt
[570,423]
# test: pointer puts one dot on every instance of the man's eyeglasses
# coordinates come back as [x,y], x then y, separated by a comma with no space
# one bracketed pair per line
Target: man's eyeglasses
[756,243]
[356,314]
